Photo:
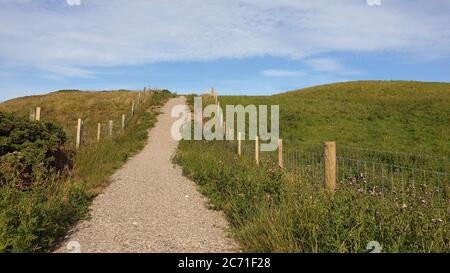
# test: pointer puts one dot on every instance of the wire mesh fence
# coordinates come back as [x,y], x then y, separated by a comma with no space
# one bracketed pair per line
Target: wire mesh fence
[405,178]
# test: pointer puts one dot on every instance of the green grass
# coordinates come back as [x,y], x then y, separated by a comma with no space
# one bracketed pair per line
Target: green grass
[274,211]
[409,117]
[33,221]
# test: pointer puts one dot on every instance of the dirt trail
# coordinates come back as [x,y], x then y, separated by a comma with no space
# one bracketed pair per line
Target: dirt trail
[151,207]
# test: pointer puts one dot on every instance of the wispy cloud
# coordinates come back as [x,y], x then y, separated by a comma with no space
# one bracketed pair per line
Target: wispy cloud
[73,2]
[68,71]
[282,73]
[331,65]
[116,32]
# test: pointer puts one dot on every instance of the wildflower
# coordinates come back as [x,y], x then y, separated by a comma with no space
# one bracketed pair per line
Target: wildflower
[404,206]
[437,221]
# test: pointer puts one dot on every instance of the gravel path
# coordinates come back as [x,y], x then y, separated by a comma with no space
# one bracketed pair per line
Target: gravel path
[150,207]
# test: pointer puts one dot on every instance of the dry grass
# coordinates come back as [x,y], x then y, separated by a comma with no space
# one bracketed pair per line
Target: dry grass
[65,107]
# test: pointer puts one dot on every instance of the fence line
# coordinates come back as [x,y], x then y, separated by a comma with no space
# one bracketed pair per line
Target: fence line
[82,138]
[404,183]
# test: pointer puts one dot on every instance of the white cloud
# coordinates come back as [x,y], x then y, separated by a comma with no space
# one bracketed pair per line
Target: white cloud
[282,73]
[331,65]
[117,32]
[73,2]
[374,2]
[68,71]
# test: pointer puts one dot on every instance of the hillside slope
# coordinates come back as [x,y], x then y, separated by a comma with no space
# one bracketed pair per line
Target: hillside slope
[410,117]
[65,107]
[392,170]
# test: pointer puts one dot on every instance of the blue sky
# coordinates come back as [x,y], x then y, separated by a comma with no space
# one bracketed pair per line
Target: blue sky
[238,47]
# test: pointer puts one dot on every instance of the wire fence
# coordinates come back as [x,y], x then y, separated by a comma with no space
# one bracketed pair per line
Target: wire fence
[406,178]
[88,132]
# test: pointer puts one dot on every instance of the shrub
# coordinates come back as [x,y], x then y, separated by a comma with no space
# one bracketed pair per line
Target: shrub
[29,151]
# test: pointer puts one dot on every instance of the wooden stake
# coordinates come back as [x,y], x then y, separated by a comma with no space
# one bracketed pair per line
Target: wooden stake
[257,150]
[330,165]
[78,140]
[132,108]
[33,115]
[239,144]
[110,128]
[99,131]
[280,154]
[215,96]
[38,114]
[123,121]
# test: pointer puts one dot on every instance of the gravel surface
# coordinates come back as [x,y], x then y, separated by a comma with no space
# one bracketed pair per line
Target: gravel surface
[150,207]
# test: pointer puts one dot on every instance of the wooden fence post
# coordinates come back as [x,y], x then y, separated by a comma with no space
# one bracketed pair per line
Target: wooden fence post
[280,153]
[110,128]
[330,165]
[139,98]
[239,144]
[99,130]
[257,150]
[132,108]
[216,100]
[33,115]
[38,114]
[123,121]
[78,140]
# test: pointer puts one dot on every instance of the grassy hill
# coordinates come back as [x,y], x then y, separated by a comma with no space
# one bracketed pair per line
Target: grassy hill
[388,134]
[411,117]
[32,220]
[65,107]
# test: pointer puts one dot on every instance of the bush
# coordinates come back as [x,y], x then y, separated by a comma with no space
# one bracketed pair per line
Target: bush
[29,151]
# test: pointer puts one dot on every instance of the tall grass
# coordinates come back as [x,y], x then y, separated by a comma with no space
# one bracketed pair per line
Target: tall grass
[274,211]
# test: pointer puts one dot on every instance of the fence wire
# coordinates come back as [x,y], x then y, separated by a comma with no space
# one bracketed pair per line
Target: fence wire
[366,171]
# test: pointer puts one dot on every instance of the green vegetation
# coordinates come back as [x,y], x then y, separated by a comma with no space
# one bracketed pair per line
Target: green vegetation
[65,107]
[288,211]
[33,219]
[410,117]
[29,151]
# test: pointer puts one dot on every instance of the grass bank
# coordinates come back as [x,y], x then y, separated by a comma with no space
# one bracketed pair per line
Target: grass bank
[273,211]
